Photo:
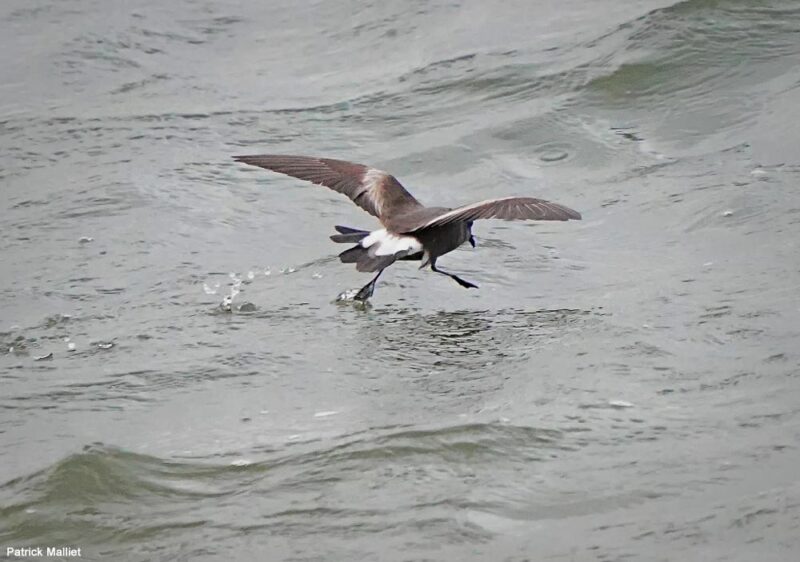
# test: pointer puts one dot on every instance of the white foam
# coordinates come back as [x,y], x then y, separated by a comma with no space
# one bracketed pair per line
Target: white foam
[390,244]
[325,414]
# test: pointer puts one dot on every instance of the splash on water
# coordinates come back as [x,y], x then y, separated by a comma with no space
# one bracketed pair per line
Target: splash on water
[347,295]
[235,289]
[209,290]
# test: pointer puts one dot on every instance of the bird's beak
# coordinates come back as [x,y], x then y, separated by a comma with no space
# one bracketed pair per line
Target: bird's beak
[472,241]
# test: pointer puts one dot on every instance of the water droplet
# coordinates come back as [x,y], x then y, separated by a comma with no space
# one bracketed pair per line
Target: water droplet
[71,346]
[226,303]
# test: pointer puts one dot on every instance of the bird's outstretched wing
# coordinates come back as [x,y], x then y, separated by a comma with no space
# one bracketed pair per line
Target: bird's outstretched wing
[506,208]
[377,192]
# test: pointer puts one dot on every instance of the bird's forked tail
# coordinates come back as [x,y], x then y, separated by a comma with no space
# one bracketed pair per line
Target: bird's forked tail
[349,235]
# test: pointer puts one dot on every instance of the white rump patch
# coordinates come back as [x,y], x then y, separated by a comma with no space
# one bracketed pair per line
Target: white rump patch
[389,244]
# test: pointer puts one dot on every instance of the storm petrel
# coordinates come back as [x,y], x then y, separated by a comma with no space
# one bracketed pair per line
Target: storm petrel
[411,231]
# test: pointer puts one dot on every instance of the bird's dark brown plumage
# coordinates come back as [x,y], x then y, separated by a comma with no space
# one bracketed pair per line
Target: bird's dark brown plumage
[375,191]
[506,208]
[412,231]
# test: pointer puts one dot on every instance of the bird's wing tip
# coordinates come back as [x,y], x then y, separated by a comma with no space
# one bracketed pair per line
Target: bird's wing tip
[570,214]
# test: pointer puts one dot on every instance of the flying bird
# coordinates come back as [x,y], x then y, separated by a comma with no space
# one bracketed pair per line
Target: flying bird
[411,231]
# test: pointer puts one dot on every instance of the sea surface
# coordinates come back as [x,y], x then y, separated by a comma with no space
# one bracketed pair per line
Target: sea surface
[626,387]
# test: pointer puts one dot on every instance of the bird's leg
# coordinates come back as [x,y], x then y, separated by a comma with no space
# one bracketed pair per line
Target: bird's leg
[367,290]
[456,278]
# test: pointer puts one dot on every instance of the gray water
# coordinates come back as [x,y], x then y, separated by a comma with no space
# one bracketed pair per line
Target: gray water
[624,387]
